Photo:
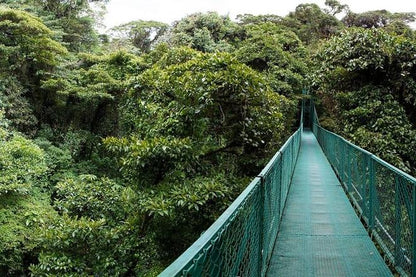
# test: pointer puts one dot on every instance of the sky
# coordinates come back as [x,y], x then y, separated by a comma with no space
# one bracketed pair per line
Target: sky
[123,11]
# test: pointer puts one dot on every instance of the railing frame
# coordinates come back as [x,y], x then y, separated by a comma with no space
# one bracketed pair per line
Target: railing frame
[368,213]
[285,157]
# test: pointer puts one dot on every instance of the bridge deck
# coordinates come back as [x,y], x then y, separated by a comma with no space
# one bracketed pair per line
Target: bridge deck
[320,233]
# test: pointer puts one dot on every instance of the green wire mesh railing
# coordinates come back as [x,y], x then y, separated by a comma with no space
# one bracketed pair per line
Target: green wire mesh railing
[384,196]
[241,240]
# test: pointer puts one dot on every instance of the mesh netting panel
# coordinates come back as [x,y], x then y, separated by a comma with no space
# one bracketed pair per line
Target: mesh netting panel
[241,241]
[234,249]
[383,195]
[272,205]
[393,216]
[276,179]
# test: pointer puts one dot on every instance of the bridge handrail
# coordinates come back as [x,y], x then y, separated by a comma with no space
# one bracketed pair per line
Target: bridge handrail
[241,240]
[384,196]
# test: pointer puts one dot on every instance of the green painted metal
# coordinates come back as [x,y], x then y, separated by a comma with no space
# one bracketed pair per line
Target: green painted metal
[413,233]
[384,196]
[320,234]
[241,240]
[211,254]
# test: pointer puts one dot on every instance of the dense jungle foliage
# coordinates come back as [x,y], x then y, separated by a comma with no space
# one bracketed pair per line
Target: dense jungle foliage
[119,149]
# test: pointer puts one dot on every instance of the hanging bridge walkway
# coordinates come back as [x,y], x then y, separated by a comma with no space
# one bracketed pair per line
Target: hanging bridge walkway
[320,234]
[321,207]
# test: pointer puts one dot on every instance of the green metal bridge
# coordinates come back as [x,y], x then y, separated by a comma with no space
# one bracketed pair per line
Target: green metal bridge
[321,207]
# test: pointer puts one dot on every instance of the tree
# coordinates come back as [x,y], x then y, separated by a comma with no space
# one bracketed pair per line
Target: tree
[26,45]
[396,22]
[97,231]
[245,19]
[74,18]
[73,21]
[377,19]
[276,52]
[17,108]
[140,34]
[23,206]
[21,162]
[335,7]
[365,78]
[29,54]
[206,32]
[21,217]
[88,91]
[311,24]
[208,103]
[188,118]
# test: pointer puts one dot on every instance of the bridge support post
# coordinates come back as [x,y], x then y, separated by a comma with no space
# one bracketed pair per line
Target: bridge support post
[281,191]
[414,232]
[398,253]
[261,229]
[348,169]
[372,193]
[341,160]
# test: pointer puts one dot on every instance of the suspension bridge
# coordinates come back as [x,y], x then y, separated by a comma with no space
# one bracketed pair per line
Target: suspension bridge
[321,207]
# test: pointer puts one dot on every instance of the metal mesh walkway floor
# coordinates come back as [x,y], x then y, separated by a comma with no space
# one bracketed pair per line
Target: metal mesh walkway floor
[320,233]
